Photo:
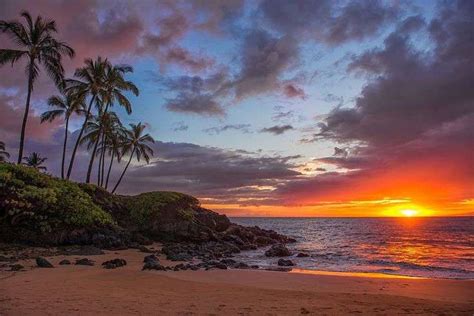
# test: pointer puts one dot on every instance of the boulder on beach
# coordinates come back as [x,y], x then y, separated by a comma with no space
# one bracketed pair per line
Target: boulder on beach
[278,250]
[43,263]
[84,262]
[285,263]
[114,263]
[302,255]
[64,262]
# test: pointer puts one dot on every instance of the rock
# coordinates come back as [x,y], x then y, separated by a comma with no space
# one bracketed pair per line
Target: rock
[82,251]
[254,266]
[228,261]
[43,263]
[64,262]
[152,264]
[278,250]
[84,262]
[285,263]
[279,269]
[304,311]
[150,258]
[220,266]
[114,263]
[16,267]
[302,255]
[264,241]
[241,265]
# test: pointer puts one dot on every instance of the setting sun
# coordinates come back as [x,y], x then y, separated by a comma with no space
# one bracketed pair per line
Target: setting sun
[409,212]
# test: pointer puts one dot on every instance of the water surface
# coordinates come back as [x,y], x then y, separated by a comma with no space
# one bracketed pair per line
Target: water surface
[425,247]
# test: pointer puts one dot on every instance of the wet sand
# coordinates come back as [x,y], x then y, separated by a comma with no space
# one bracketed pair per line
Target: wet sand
[85,290]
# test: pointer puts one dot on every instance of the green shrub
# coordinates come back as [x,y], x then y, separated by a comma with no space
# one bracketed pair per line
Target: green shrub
[146,206]
[37,201]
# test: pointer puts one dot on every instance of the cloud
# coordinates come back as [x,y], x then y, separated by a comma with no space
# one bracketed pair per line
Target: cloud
[244,128]
[411,130]
[292,91]
[277,129]
[180,127]
[197,95]
[264,58]
[332,22]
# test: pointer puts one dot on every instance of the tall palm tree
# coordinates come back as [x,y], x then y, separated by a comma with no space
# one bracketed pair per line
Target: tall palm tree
[90,83]
[107,122]
[64,105]
[4,155]
[136,144]
[35,160]
[36,43]
[114,146]
[114,87]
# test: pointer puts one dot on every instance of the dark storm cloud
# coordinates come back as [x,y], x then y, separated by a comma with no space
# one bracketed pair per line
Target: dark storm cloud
[208,172]
[277,129]
[244,128]
[332,22]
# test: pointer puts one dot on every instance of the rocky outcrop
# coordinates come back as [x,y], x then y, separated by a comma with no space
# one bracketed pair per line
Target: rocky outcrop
[278,250]
[114,263]
[285,263]
[68,213]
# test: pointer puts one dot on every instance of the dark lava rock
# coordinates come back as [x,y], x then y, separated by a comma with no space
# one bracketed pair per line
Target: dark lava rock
[64,262]
[84,262]
[114,263]
[228,261]
[16,267]
[82,251]
[241,265]
[43,263]
[278,250]
[254,266]
[150,258]
[279,269]
[285,263]
[302,255]
[264,241]
[151,264]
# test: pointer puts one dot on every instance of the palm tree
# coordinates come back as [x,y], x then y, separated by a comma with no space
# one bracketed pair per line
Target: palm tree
[114,146]
[136,144]
[35,160]
[104,122]
[65,105]
[4,155]
[90,82]
[37,44]
[114,87]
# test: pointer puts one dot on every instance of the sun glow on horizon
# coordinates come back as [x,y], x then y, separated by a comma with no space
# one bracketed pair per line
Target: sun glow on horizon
[409,212]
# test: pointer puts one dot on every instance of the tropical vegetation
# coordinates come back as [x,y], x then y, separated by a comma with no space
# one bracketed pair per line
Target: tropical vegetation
[35,161]
[94,90]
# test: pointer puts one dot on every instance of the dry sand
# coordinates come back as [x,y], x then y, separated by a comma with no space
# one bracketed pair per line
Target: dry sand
[84,290]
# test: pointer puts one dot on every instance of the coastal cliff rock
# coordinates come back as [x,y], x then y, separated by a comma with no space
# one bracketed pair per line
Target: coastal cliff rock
[42,210]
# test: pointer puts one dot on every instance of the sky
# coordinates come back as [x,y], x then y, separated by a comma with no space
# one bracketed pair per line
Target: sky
[273,107]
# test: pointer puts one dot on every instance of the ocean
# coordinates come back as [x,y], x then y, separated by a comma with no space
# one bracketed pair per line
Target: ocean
[435,247]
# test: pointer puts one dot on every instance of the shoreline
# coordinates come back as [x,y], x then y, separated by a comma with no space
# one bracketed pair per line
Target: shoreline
[88,290]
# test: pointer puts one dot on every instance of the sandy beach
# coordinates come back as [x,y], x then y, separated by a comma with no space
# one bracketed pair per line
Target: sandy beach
[92,290]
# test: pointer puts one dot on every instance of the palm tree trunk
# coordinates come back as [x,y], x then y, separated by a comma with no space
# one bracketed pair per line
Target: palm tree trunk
[104,139]
[110,168]
[71,163]
[64,147]
[25,116]
[98,171]
[124,170]
[91,161]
